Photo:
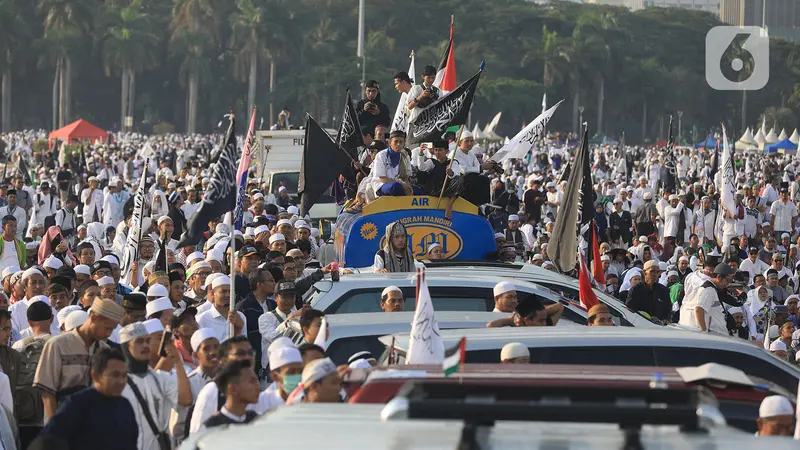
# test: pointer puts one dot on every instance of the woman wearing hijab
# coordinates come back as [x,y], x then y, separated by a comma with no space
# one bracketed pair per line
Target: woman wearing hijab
[95,234]
[632,277]
[55,244]
[395,255]
[756,312]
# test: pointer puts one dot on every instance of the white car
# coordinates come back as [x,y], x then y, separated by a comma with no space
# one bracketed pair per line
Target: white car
[458,290]
[623,346]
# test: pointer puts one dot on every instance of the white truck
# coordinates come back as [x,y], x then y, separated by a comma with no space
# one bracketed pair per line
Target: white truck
[280,166]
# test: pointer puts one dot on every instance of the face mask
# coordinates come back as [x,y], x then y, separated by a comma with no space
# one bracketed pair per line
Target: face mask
[290,382]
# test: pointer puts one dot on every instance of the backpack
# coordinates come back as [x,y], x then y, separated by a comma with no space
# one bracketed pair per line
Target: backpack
[27,400]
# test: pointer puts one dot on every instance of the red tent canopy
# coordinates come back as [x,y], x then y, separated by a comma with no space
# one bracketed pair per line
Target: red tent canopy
[79,129]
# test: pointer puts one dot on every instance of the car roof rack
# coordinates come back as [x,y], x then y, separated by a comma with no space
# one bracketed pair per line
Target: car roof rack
[693,410]
[470,263]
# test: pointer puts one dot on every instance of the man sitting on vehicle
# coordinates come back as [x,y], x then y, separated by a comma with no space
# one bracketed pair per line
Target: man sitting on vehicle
[392,299]
[515,353]
[505,297]
[391,170]
[775,417]
[442,176]
[530,312]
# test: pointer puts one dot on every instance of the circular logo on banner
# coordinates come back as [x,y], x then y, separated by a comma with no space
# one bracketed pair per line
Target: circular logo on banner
[422,235]
[369,231]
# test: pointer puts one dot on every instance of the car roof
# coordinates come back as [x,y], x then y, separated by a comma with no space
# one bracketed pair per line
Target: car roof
[364,324]
[359,426]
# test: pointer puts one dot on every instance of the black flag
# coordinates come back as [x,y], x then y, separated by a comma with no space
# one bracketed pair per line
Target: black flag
[220,197]
[588,197]
[448,111]
[22,168]
[715,162]
[670,172]
[322,162]
[349,136]
[161,258]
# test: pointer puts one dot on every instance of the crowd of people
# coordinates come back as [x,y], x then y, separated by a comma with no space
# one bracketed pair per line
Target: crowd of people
[98,354]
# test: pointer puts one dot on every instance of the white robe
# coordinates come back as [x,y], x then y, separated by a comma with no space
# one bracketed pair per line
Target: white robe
[160,391]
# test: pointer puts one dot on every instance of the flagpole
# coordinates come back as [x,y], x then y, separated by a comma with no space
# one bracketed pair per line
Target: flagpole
[232,260]
[449,167]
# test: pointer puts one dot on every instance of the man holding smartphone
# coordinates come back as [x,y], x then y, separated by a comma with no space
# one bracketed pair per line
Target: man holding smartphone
[371,111]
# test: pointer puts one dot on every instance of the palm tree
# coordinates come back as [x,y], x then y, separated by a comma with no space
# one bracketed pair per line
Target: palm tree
[553,63]
[249,40]
[14,33]
[66,22]
[195,30]
[127,48]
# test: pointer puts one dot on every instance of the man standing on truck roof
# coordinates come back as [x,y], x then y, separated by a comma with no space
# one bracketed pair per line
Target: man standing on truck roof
[371,111]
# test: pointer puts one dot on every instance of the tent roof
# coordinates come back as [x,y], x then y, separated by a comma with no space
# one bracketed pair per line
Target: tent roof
[80,129]
[795,138]
[783,135]
[785,144]
[771,138]
[759,137]
[708,143]
[747,138]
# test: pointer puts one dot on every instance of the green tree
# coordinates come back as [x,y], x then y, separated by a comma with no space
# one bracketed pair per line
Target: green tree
[14,34]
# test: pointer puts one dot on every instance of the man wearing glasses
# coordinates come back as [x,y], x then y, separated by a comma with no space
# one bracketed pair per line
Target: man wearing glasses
[258,302]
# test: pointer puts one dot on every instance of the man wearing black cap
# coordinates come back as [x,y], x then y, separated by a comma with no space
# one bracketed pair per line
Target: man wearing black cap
[247,260]
[709,313]
[135,305]
[439,171]
[752,264]
[371,111]
[391,171]
[530,312]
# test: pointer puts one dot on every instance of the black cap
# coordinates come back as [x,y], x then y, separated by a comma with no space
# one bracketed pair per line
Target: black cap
[397,134]
[403,76]
[65,271]
[98,265]
[372,84]
[528,306]
[175,276]
[753,250]
[428,71]
[39,311]
[180,316]
[246,251]
[440,143]
[45,185]
[781,309]
[11,192]
[285,286]
[366,131]
[62,280]
[136,301]
[723,269]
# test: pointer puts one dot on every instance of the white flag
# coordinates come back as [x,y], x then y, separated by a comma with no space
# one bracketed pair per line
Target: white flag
[400,121]
[322,336]
[544,102]
[522,143]
[493,124]
[425,345]
[726,186]
[130,253]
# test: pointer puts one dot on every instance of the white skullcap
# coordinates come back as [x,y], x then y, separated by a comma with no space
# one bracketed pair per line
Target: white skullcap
[317,370]
[111,259]
[11,270]
[284,222]
[514,350]
[605,258]
[194,256]
[158,305]
[65,311]
[210,279]
[503,287]
[279,342]
[201,335]
[196,267]
[132,331]
[465,135]
[32,245]
[248,232]
[221,280]
[153,326]
[282,188]
[106,281]
[775,405]
[39,298]
[360,364]
[257,196]
[82,269]
[777,346]
[286,354]
[156,290]
[302,224]
[674,273]
[683,258]
[260,229]
[292,209]
[314,232]
[75,319]
[774,331]
[163,219]
[513,217]
[52,262]
[215,255]
[276,237]
[390,289]
[150,267]
[29,272]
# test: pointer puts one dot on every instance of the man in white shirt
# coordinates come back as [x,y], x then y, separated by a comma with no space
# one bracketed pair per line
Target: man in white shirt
[783,214]
[191,205]
[704,219]
[505,297]
[422,95]
[34,282]
[219,316]
[391,171]
[45,204]
[13,250]
[672,216]
[275,323]
[92,199]
[12,209]
[476,187]
[752,264]
[709,312]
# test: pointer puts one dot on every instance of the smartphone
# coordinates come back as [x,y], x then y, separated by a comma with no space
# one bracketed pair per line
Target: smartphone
[165,339]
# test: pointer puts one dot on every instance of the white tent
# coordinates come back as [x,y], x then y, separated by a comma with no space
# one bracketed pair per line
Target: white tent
[795,138]
[771,138]
[747,142]
[783,135]
[477,133]
[759,137]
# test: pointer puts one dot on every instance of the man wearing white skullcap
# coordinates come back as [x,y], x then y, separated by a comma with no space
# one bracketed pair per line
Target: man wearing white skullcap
[82,272]
[277,242]
[195,279]
[286,368]
[321,382]
[75,319]
[775,417]
[778,348]
[505,297]
[219,316]
[392,299]
[514,236]
[35,283]
[205,348]
[65,311]
[515,353]
[161,309]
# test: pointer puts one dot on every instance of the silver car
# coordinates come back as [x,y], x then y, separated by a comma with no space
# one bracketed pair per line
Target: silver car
[617,346]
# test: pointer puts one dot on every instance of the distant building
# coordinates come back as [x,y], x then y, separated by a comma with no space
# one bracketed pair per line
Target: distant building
[700,5]
[781,18]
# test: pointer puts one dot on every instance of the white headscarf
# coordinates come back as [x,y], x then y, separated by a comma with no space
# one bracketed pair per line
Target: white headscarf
[626,283]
